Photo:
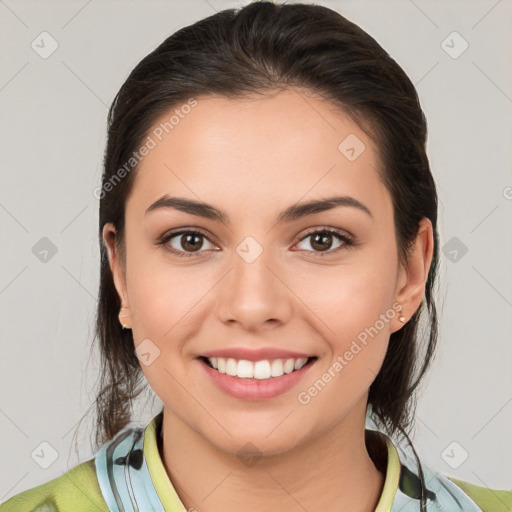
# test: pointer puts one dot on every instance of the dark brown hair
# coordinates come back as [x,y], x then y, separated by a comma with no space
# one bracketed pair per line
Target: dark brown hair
[260,49]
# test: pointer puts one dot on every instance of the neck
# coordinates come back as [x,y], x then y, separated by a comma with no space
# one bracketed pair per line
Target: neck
[332,472]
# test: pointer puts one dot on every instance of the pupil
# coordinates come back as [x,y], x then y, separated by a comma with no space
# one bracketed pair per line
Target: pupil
[322,239]
[189,245]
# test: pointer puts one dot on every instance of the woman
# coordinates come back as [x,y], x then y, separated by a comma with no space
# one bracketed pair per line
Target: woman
[268,231]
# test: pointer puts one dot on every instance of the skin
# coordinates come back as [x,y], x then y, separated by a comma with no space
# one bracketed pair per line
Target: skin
[253,158]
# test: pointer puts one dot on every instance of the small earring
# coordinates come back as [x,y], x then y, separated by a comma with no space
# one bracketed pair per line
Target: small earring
[123,316]
[401,317]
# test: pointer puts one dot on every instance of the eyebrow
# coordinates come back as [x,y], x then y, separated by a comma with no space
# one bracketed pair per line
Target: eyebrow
[294,212]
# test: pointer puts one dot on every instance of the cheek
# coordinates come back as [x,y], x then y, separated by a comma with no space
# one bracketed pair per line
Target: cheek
[354,321]
[350,308]
[166,303]
[163,297]
[348,299]
[170,305]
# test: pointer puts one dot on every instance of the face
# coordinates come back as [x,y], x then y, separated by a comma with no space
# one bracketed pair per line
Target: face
[252,288]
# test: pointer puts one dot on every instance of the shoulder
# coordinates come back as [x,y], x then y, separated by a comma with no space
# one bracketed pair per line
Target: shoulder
[489,500]
[445,492]
[77,490]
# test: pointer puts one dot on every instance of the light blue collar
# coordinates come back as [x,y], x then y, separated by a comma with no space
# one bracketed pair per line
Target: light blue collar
[123,474]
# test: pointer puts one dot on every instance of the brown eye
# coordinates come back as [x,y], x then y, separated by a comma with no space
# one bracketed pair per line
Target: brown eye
[191,242]
[185,243]
[321,241]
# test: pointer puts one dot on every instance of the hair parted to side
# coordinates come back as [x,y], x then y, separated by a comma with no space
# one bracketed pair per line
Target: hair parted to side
[263,48]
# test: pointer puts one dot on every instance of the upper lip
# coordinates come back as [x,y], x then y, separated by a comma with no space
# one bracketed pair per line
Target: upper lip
[255,354]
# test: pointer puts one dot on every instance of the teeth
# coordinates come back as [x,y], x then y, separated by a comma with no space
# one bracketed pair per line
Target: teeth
[264,369]
[231,367]
[289,366]
[245,369]
[276,368]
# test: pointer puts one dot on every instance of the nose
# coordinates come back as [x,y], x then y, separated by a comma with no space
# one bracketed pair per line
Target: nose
[254,294]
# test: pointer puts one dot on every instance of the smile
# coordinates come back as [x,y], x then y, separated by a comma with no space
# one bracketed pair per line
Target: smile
[255,380]
[264,369]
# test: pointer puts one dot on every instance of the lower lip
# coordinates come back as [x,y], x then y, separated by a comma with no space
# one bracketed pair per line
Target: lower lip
[256,389]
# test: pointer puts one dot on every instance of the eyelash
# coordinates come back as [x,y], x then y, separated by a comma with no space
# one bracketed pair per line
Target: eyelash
[348,241]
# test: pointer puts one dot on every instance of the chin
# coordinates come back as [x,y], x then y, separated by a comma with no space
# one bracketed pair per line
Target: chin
[267,440]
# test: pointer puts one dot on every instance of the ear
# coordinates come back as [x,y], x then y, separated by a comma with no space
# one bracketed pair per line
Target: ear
[413,275]
[118,271]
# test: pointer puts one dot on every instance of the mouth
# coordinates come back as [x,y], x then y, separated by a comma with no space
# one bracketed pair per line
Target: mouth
[259,380]
[262,370]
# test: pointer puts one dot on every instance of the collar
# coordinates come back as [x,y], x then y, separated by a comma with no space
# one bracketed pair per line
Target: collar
[132,476]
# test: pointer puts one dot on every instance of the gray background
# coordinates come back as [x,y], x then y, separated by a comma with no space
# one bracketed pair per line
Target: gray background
[52,122]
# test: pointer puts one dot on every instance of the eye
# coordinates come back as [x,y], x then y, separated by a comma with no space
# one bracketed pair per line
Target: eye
[322,240]
[184,243]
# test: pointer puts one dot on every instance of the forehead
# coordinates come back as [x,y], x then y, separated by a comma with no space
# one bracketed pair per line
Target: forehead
[281,147]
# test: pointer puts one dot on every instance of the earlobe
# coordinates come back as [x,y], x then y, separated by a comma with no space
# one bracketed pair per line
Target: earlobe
[124,313]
